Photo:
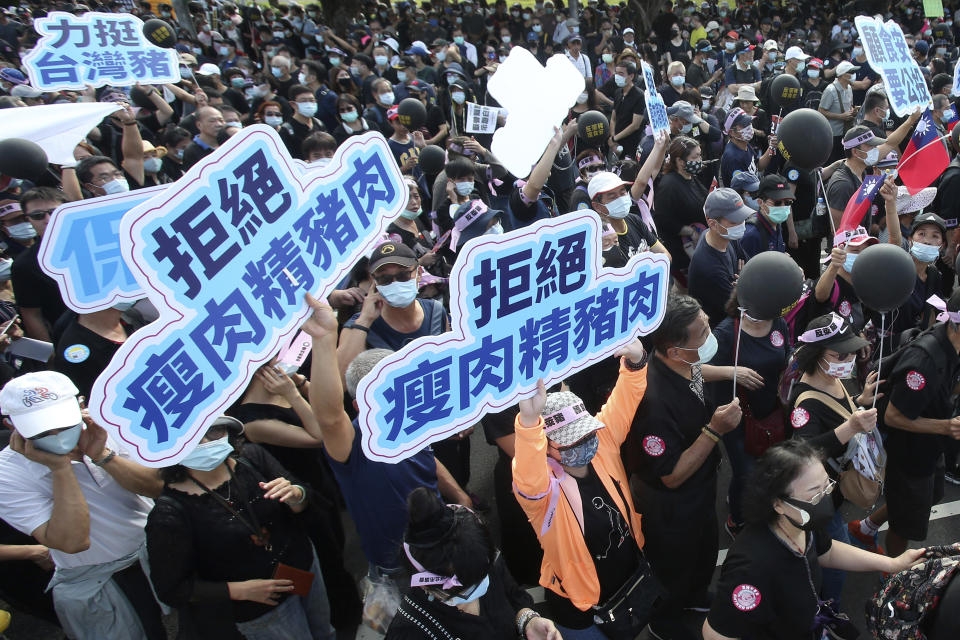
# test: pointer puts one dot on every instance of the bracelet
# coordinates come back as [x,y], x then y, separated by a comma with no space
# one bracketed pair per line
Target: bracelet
[524,620]
[636,366]
[359,327]
[302,382]
[303,496]
[132,122]
[710,433]
[105,459]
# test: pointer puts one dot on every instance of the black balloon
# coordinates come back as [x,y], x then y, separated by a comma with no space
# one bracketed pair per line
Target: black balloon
[411,113]
[769,285]
[593,127]
[804,137]
[432,159]
[21,158]
[159,33]
[884,277]
[785,90]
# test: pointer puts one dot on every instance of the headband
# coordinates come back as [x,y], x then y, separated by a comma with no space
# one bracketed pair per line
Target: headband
[866,136]
[849,235]
[835,327]
[735,113]
[937,303]
[586,162]
[427,578]
[456,148]
[565,416]
[477,209]
[9,208]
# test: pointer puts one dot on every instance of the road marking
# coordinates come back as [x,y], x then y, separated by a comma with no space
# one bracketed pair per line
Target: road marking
[946,510]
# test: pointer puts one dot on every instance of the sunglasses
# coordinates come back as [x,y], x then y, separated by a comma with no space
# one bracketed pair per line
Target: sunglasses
[400,276]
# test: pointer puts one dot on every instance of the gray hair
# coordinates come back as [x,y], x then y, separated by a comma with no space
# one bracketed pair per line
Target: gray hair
[361,366]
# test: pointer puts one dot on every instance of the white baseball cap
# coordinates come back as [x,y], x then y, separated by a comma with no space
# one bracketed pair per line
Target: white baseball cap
[40,402]
[208,69]
[846,67]
[603,182]
[795,53]
[770,45]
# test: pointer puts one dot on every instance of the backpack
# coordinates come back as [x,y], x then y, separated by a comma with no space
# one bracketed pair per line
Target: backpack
[902,607]
[911,338]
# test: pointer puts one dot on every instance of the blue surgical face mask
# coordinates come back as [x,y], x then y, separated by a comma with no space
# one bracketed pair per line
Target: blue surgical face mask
[59,443]
[705,352]
[494,230]
[207,456]
[848,263]
[736,232]
[620,80]
[476,594]
[5,266]
[581,453]
[463,188]
[399,294]
[152,165]
[410,215]
[924,252]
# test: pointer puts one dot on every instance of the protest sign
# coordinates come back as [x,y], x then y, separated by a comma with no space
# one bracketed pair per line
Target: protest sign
[656,108]
[480,118]
[933,8]
[80,250]
[956,81]
[96,49]
[888,54]
[56,128]
[532,303]
[226,256]
[537,99]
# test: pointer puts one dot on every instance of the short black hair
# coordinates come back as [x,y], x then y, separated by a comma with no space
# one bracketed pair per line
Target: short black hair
[85,167]
[674,330]
[460,167]
[298,90]
[873,100]
[771,479]
[318,141]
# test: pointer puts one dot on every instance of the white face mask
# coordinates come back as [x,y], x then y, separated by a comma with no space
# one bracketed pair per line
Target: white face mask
[302,78]
[621,81]
[273,121]
[733,233]
[619,208]
[582,98]
[839,369]
[458,96]
[152,165]
[117,185]
[386,98]
[21,231]
[872,156]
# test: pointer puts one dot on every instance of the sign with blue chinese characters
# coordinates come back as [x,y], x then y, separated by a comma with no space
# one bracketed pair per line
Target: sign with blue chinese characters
[96,49]
[532,303]
[226,257]
[80,250]
[656,108]
[888,54]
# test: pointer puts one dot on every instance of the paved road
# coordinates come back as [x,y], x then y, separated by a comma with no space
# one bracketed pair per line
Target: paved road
[944,529]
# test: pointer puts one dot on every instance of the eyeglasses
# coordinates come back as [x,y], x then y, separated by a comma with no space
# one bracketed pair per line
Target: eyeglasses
[39,215]
[400,276]
[822,494]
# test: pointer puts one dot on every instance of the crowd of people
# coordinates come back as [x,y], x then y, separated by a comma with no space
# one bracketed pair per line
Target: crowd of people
[605,486]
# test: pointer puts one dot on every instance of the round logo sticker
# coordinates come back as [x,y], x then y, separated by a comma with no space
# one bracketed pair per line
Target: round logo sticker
[776,339]
[76,353]
[799,417]
[916,381]
[845,308]
[654,446]
[746,597]
[792,175]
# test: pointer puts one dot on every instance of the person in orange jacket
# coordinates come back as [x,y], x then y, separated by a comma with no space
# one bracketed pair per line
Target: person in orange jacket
[570,481]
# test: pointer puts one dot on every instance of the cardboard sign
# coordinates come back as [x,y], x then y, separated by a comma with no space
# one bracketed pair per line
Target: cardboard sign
[933,8]
[96,49]
[888,54]
[532,303]
[480,118]
[226,257]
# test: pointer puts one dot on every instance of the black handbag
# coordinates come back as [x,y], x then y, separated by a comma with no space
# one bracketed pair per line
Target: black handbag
[625,614]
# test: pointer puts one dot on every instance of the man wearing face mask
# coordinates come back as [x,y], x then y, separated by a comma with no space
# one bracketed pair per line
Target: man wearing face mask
[611,198]
[19,233]
[303,123]
[66,484]
[765,231]
[592,539]
[837,106]
[739,154]
[673,457]
[717,258]
[100,176]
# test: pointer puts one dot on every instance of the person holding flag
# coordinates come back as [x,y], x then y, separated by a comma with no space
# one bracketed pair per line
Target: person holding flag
[925,156]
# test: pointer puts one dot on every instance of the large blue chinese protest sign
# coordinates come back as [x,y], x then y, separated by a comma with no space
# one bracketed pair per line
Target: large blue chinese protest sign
[533,303]
[656,107]
[96,49]
[226,256]
[888,54]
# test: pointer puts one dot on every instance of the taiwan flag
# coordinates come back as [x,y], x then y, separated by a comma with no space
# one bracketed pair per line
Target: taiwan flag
[859,205]
[925,157]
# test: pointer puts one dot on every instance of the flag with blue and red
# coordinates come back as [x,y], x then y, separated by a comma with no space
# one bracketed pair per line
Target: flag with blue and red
[859,204]
[925,157]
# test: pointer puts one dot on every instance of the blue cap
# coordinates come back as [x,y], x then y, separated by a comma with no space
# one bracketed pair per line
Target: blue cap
[745,181]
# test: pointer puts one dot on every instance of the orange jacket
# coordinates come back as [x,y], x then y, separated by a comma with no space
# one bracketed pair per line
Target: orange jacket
[568,567]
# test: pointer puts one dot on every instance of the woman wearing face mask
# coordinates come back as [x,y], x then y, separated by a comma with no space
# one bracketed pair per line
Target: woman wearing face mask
[834,290]
[409,226]
[589,163]
[604,70]
[175,140]
[351,124]
[454,105]
[771,576]
[824,413]
[271,114]
[223,541]
[153,165]
[678,202]
[461,586]
[343,82]
[591,539]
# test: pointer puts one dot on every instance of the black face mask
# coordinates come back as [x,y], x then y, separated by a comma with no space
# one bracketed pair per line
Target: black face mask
[344,82]
[817,515]
[693,167]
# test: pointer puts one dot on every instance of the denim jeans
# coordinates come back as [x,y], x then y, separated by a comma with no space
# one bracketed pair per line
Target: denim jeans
[296,617]
[590,633]
[833,579]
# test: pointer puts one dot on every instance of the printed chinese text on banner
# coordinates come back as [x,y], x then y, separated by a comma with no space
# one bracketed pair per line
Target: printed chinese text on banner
[96,49]
[888,54]
[532,303]
[656,108]
[226,257]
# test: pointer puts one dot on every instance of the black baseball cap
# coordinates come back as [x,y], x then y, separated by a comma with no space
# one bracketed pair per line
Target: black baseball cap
[929,218]
[775,187]
[391,253]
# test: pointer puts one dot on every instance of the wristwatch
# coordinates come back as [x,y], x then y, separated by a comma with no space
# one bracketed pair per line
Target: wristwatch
[105,459]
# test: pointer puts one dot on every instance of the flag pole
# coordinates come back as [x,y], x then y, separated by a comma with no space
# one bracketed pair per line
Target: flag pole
[823,190]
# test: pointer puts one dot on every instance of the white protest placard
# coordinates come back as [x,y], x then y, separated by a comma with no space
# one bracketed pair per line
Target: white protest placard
[535,303]
[656,108]
[57,128]
[481,118]
[887,52]
[226,255]
[96,49]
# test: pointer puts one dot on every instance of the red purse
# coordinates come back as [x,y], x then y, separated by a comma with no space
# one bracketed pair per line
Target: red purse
[759,434]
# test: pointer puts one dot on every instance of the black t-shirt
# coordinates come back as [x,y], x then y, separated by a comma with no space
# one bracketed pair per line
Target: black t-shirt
[711,276]
[293,134]
[814,421]
[82,355]
[764,591]
[767,355]
[194,153]
[923,380]
[678,202]
[847,305]
[670,417]
[35,289]
[636,239]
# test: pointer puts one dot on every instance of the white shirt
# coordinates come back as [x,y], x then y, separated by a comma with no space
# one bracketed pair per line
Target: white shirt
[117,517]
[582,63]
